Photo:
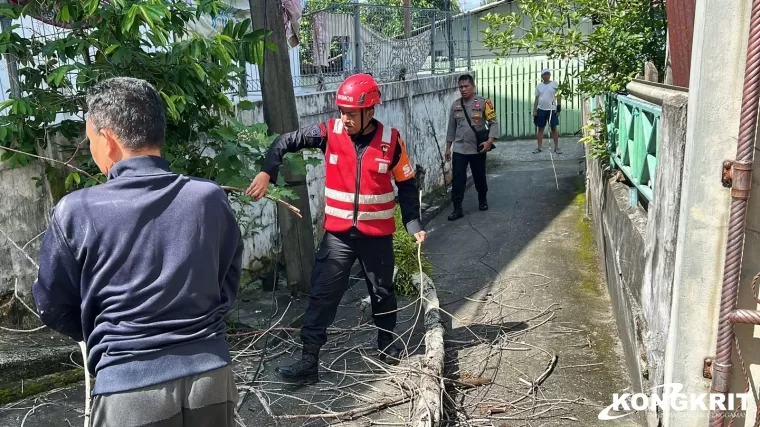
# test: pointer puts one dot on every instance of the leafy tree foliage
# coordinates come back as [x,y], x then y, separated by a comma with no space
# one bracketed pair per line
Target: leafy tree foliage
[625,34]
[147,39]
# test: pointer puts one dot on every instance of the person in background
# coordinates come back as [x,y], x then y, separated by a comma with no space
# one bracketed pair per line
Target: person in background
[362,159]
[472,130]
[143,269]
[546,108]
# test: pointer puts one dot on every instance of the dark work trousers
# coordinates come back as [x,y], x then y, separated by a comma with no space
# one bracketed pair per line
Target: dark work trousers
[329,281]
[459,164]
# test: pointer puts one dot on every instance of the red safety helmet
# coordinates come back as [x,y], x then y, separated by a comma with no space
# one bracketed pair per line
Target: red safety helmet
[358,91]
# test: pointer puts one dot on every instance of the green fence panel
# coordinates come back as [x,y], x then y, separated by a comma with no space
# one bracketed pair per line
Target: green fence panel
[511,85]
[633,133]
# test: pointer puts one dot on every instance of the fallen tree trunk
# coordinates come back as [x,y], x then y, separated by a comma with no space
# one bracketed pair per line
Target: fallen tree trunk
[429,404]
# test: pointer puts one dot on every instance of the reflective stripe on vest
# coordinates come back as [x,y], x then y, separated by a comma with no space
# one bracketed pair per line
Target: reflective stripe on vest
[364,199]
[362,216]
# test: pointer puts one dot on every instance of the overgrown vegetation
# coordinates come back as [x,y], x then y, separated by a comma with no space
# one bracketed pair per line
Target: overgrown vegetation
[405,253]
[595,135]
[623,35]
[148,39]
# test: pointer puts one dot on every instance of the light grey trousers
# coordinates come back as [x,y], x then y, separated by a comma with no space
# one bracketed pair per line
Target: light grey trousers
[204,400]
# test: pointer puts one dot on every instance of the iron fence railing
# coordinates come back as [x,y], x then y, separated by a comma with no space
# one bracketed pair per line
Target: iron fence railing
[633,139]
[390,42]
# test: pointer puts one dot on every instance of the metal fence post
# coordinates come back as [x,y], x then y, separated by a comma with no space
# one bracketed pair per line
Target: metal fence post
[357,39]
[432,43]
[449,38]
[10,60]
[469,45]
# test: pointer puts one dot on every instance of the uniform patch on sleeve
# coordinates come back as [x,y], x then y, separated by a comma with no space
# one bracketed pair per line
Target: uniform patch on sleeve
[490,112]
[317,131]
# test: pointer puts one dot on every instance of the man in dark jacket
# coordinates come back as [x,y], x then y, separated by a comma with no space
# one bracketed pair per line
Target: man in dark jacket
[143,269]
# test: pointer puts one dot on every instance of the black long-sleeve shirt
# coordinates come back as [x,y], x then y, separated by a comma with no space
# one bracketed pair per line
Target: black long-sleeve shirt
[315,137]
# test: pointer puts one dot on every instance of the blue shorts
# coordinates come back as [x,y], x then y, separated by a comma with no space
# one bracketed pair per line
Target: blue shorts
[542,116]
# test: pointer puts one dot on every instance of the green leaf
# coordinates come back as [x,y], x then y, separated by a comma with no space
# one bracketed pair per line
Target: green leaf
[172,109]
[111,49]
[246,105]
[69,181]
[91,6]
[199,71]
[129,20]
[65,16]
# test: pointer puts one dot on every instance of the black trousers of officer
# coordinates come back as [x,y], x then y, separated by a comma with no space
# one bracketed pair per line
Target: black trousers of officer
[477,163]
[329,281]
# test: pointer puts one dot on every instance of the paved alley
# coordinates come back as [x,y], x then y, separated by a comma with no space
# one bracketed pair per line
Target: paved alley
[527,306]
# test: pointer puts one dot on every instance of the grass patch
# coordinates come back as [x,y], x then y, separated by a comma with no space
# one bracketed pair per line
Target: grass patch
[405,253]
[18,390]
[587,246]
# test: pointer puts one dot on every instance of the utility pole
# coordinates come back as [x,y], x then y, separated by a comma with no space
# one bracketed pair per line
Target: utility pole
[281,116]
[449,38]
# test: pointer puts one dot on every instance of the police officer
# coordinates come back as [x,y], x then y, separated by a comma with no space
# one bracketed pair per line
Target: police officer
[471,131]
[361,157]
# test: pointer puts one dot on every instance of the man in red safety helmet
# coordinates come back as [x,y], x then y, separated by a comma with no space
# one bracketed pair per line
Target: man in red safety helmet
[362,156]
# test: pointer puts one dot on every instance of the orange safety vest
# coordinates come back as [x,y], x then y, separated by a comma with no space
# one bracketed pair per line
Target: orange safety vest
[358,188]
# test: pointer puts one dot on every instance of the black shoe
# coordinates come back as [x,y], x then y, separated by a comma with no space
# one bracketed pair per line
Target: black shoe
[483,205]
[389,353]
[456,214]
[304,371]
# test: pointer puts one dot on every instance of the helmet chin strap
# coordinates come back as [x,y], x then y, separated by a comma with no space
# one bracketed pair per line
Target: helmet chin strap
[363,126]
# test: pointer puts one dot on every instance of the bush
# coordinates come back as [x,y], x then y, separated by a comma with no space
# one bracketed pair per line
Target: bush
[405,252]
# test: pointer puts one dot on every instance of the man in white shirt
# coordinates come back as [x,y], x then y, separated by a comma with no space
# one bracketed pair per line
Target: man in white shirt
[545,109]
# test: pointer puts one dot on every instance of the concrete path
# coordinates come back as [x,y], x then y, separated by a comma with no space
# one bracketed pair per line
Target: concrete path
[522,286]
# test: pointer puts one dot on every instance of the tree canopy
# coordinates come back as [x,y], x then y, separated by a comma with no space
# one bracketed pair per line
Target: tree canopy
[624,35]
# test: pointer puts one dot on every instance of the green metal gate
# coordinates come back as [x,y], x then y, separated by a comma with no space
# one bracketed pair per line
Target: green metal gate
[511,86]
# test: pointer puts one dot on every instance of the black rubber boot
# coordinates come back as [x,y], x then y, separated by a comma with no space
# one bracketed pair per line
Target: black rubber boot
[390,352]
[457,213]
[304,371]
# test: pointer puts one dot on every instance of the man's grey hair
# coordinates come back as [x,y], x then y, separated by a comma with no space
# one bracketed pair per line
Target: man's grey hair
[131,108]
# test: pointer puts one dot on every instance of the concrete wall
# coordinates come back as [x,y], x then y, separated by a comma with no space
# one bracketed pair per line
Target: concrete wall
[619,231]
[418,108]
[661,235]
[638,249]
[24,212]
